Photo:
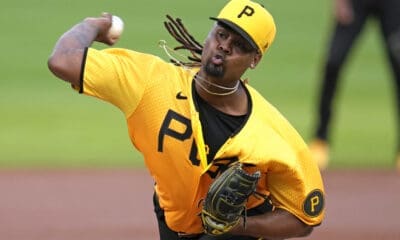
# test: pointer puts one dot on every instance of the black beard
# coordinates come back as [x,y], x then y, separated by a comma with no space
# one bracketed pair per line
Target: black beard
[214,70]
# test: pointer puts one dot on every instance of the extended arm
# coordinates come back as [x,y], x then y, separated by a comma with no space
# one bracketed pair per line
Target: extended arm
[66,59]
[278,224]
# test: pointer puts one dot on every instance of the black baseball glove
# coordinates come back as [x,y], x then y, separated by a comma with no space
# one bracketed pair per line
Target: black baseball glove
[226,199]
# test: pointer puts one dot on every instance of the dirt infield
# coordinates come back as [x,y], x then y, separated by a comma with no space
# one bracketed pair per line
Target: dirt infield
[105,204]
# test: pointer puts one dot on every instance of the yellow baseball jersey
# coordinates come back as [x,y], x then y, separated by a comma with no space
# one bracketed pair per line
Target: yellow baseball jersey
[156,99]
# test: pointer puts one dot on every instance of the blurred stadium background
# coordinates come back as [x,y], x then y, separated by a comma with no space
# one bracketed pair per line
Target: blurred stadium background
[43,123]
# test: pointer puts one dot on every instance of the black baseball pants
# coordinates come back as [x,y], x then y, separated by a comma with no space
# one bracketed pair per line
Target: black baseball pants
[387,12]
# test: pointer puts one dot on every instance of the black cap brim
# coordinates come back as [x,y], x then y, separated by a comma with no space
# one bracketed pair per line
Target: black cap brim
[237,29]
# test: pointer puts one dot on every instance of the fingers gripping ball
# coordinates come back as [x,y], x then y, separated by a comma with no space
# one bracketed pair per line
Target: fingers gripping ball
[117,27]
[226,199]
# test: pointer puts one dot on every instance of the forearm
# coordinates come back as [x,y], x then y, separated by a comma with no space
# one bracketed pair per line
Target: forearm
[67,56]
[278,224]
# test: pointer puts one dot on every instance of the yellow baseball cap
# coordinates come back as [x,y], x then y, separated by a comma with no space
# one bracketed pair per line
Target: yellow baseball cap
[251,20]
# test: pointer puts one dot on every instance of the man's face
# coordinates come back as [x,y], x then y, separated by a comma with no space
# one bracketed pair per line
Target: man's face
[227,54]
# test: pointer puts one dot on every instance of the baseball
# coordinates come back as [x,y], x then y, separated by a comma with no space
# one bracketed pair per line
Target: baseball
[117,27]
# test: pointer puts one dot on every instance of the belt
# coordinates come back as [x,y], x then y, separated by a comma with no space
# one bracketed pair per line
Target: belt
[189,235]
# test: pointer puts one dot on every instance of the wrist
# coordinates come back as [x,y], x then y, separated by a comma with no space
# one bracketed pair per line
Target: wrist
[90,26]
[239,228]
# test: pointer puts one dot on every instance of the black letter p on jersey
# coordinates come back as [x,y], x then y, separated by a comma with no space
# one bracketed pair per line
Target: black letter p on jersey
[166,129]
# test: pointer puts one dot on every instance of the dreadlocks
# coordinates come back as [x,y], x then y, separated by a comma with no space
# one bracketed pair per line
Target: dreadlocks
[177,30]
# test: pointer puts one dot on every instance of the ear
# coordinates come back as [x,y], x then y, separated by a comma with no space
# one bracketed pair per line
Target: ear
[256,59]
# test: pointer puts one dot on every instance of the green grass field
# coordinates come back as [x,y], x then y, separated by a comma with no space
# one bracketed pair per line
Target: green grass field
[46,124]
